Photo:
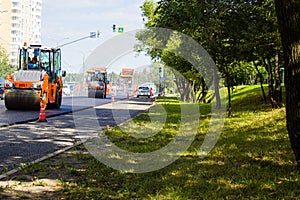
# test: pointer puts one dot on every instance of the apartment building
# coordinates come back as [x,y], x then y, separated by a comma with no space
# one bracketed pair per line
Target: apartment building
[20,21]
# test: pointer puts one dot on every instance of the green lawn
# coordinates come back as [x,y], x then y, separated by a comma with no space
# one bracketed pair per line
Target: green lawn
[251,160]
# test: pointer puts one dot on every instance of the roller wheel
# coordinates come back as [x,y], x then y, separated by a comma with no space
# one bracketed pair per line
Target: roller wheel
[58,100]
[21,102]
[91,94]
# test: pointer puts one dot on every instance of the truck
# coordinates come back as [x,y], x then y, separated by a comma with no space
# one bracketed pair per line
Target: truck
[97,83]
[38,77]
[125,82]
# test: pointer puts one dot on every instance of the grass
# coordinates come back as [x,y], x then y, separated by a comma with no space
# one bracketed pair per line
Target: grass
[251,160]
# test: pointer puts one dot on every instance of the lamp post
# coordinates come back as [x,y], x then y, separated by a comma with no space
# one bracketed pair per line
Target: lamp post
[83,58]
[83,61]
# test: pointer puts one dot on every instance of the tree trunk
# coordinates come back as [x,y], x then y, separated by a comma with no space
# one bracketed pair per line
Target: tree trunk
[270,82]
[229,101]
[217,92]
[278,89]
[289,26]
[183,87]
[202,95]
[261,80]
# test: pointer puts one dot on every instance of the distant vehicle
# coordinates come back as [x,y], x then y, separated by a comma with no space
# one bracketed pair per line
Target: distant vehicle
[143,91]
[125,81]
[151,86]
[96,79]
[2,82]
[66,90]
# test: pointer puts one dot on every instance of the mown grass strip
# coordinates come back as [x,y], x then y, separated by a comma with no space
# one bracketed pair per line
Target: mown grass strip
[251,160]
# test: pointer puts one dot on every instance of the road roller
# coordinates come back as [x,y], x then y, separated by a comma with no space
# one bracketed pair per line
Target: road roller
[96,79]
[38,78]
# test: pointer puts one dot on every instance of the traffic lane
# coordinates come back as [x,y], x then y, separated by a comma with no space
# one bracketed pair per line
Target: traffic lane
[69,104]
[24,143]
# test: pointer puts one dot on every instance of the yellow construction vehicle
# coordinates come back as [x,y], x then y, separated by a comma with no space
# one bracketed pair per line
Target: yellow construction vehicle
[96,79]
[39,76]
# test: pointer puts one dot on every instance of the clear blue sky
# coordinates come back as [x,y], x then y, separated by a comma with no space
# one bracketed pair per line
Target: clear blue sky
[68,20]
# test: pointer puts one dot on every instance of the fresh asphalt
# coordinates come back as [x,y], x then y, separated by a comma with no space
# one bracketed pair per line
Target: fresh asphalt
[26,140]
[69,104]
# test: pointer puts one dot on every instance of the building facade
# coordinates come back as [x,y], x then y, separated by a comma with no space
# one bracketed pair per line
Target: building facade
[20,21]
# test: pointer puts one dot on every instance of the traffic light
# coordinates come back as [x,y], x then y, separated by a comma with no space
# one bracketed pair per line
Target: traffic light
[114,28]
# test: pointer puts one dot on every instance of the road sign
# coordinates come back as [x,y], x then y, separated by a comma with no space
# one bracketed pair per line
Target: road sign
[92,34]
[120,29]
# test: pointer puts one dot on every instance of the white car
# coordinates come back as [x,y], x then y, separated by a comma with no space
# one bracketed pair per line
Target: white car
[143,91]
[66,90]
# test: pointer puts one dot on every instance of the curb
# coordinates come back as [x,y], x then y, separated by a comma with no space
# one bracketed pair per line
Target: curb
[13,171]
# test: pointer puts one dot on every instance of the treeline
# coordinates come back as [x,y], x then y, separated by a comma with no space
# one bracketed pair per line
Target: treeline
[241,37]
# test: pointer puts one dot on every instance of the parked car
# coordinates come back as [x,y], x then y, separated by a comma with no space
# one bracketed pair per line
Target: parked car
[151,86]
[2,82]
[66,90]
[143,91]
[1,92]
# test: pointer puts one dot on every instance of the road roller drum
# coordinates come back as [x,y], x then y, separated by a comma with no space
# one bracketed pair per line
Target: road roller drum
[22,100]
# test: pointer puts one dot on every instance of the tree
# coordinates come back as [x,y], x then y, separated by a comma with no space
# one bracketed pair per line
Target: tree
[232,32]
[257,42]
[177,16]
[288,14]
[4,64]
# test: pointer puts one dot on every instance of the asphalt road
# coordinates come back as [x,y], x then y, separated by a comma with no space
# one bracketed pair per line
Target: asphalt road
[25,142]
[69,104]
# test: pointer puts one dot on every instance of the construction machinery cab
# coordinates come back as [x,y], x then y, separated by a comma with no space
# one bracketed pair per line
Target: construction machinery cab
[36,57]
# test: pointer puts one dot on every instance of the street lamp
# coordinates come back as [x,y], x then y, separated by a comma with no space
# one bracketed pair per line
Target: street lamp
[83,58]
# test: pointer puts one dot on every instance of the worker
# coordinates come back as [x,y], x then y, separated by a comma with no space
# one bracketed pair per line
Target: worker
[33,63]
[34,60]
[10,77]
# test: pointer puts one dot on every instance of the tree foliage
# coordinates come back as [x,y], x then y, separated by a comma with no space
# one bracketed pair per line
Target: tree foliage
[232,31]
[4,64]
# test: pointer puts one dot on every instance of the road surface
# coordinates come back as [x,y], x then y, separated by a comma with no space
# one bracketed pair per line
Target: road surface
[23,143]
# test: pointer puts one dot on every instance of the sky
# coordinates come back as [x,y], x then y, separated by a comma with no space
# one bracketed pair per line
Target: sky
[69,20]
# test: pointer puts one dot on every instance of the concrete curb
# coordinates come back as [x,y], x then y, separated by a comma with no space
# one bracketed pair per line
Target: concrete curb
[13,171]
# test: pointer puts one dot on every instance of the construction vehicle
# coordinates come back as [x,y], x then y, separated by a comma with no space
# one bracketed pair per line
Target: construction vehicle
[125,82]
[97,83]
[39,76]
